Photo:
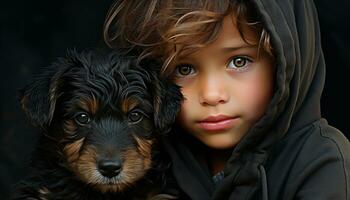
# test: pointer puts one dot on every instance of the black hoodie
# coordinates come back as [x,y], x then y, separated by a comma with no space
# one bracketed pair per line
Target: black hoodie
[291,152]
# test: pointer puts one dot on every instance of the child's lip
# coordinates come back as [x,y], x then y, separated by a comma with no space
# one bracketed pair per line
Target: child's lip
[217,123]
[216,118]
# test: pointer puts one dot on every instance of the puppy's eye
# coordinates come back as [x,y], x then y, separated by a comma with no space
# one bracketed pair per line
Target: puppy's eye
[135,116]
[82,118]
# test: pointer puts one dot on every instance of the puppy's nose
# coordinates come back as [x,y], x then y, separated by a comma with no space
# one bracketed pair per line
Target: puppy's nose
[109,168]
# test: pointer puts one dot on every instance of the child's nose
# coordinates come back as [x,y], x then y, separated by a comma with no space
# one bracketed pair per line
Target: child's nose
[213,91]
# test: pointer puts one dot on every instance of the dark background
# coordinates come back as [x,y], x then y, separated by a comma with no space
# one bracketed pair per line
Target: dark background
[33,33]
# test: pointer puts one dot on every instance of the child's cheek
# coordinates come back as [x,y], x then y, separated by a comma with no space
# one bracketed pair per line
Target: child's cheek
[257,95]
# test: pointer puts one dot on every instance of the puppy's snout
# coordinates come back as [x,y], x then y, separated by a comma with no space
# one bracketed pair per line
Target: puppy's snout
[110,168]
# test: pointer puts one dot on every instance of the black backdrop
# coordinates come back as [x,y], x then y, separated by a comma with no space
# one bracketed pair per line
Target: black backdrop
[33,33]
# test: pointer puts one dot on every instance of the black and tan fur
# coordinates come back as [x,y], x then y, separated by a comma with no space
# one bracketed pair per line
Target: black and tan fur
[101,116]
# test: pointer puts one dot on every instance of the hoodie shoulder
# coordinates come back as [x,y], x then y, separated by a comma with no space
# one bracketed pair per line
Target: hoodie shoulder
[323,164]
[311,163]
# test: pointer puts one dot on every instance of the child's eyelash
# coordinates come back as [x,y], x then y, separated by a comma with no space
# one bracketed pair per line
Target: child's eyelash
[239,63]
[184,69]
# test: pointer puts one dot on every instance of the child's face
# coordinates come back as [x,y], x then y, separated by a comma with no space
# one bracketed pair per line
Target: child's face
[226,86]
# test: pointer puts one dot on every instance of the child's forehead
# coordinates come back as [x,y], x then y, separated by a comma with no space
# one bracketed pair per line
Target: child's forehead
[229,39]
[230,36]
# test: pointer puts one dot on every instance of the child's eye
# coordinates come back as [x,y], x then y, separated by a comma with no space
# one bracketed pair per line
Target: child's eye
[238,63]
[184,70]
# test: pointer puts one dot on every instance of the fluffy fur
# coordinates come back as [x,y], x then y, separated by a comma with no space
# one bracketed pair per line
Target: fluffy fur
[101,116]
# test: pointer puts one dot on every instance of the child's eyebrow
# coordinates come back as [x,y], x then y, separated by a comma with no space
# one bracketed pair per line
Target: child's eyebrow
[235,48]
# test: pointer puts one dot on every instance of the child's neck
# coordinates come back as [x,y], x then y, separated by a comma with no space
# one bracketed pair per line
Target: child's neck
[217,159]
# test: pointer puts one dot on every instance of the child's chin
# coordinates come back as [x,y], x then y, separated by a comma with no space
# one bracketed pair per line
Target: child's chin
[219,141]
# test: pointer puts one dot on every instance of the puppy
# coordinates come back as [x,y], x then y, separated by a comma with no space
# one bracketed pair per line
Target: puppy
[101,116]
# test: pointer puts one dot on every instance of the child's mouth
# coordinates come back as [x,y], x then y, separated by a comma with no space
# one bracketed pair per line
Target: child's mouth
[217,123]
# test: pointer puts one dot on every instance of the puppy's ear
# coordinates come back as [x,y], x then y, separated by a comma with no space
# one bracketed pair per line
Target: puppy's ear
[38,98]
[167,102]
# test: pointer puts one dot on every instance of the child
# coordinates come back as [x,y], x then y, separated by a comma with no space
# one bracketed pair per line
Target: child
[252,74]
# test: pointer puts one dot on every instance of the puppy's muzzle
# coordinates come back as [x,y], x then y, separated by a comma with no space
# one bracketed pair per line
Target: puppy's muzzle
[109,168]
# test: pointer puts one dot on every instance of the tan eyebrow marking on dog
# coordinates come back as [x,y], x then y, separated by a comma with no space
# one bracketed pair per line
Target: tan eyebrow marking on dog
[91,105]
[129,104]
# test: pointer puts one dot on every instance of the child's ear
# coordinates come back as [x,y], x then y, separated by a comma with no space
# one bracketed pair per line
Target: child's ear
[167,103]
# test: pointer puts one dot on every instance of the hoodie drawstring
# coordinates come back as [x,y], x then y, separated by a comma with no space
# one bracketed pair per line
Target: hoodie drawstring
[265,195]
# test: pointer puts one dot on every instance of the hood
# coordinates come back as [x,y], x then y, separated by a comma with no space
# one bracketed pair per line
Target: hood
[300,74]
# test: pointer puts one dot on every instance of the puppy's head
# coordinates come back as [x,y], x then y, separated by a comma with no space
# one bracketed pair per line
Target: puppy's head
[103,111]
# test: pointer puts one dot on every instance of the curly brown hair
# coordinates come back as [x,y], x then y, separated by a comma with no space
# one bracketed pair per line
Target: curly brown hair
[165,28]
